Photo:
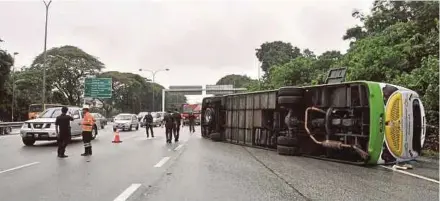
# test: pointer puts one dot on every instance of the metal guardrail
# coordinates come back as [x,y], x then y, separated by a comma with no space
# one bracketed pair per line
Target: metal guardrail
[11,124]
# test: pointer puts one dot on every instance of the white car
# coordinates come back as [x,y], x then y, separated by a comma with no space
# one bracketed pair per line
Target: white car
[126,121]
[43,127]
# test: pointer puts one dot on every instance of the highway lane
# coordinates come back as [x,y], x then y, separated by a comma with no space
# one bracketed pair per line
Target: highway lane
[193,169]
[111,169]
[223,171]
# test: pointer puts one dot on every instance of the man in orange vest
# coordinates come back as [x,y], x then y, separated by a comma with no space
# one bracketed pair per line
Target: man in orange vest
[87,128]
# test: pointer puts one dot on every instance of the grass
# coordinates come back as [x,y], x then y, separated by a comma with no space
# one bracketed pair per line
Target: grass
[430,153]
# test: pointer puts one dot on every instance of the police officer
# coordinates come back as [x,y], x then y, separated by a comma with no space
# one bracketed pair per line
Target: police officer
[177,123]
[169,125]
[62,128]
[87,128]
[149,124]
[191,122]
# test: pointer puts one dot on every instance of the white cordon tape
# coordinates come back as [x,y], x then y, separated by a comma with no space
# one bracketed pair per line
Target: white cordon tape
[411,174]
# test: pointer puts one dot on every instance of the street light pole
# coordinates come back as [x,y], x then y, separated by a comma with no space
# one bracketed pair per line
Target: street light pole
[47,4]
[153,79]
[13,88]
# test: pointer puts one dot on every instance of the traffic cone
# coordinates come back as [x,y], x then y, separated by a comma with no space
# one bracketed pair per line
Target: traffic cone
[117,139]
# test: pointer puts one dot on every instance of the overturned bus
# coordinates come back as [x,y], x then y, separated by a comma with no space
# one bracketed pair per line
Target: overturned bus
[358,122]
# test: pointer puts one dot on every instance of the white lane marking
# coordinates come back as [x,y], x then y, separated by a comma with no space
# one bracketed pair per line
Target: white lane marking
[19,167]
[161,162]
[411,174]
[127,193]
[178,147]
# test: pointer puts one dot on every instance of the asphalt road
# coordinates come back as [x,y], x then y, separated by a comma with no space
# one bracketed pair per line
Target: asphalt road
[194,169]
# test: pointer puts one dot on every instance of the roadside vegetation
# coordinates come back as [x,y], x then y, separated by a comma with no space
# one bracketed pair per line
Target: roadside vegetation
[67,66]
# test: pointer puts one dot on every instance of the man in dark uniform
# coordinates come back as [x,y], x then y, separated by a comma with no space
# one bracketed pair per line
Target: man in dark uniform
[63,132]
[149,124]
[169,124]
[177,122]
[191,122]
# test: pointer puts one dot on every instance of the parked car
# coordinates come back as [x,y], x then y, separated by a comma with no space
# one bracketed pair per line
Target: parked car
[43,127]
[141,115]
[5,130]
[101,121]
[126,121]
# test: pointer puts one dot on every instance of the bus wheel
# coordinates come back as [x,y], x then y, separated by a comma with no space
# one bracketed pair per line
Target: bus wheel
[288,100]
[287,141]
[290,91]
[216,137]
[288,151]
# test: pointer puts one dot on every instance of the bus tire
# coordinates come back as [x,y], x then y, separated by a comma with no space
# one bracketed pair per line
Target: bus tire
[288,151]
[290,91]
[287,141]
[216,137]
[288,100]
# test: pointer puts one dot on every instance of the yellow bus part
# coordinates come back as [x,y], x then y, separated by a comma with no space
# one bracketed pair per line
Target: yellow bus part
[393,128]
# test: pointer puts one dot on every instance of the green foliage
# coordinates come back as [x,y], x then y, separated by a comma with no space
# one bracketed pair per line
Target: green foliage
[276,53]
[400,45]
[237,81]
[6,62]
[132,93]
[67,66]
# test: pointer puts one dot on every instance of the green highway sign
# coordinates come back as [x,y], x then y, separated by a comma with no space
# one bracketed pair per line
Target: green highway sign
[98,88]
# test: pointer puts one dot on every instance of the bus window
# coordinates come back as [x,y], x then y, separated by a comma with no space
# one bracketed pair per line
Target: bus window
[35,108]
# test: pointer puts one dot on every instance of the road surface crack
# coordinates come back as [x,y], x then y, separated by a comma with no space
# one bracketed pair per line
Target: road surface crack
[276,174]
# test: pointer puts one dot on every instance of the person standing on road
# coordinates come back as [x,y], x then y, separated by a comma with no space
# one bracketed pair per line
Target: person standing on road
[191,122]
[149,124]
[177,117]
[63,132]
[169,125]
[87,128]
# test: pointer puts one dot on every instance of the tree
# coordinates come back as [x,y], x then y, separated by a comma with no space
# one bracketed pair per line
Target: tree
[133,93]
[67,67]
[6,62]
[297,72]
[174,100]
[238,81]
[276,53]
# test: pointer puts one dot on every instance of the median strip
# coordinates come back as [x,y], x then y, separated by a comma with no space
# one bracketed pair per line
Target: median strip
[19,167]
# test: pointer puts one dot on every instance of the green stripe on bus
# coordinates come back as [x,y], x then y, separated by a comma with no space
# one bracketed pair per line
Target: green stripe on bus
[377,111]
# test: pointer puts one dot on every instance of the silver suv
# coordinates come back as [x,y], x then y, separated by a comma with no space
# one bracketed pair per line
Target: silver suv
[43,127]
[126,121]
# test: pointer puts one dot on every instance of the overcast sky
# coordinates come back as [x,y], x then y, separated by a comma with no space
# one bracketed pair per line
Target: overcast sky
[199,41]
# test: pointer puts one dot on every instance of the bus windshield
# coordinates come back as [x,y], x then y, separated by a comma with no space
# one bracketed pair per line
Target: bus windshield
[35,108]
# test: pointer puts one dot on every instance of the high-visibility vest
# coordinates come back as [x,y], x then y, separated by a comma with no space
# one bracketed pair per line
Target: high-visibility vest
[87,122]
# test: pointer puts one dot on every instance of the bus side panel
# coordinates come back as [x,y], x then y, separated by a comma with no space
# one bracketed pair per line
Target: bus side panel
[377,108]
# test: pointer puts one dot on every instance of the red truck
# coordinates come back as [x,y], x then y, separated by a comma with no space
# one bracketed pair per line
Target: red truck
[194,108]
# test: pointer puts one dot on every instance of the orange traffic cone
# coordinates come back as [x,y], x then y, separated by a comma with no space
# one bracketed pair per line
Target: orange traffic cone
[116,139]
